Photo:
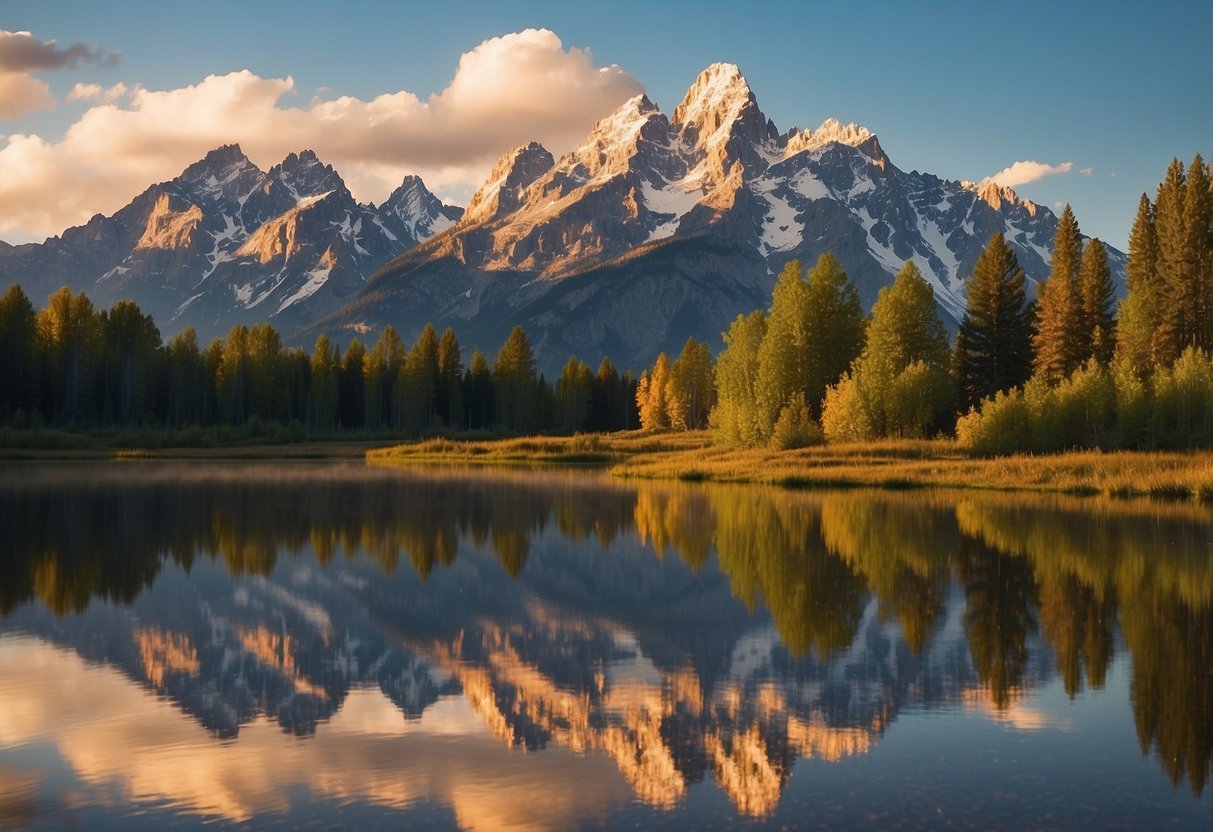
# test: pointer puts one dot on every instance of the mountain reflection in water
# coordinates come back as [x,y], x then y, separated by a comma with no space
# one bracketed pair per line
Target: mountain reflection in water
[681,633]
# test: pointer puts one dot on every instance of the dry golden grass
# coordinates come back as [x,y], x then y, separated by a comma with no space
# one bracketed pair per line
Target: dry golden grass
[885,464]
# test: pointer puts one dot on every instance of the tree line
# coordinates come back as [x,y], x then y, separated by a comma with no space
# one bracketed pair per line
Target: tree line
[1070,368]
[74,366]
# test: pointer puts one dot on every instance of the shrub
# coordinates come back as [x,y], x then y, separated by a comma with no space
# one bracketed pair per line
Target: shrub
[1000,425]
[842,416]
[795,428]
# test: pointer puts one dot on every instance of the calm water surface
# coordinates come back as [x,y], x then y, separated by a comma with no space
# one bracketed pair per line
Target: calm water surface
[319,645]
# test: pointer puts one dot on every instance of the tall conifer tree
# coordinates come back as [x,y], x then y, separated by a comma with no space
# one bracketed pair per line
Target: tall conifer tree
[1058,338]
[1137,316]
[1177,308]
[1098,294]
[994,345]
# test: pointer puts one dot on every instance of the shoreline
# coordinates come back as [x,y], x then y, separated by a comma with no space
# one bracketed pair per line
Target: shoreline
[890,465]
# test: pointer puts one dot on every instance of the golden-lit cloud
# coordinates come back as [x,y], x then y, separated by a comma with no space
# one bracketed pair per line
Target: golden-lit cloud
[96,92]
[1021,173]
[508,90]
[21,53]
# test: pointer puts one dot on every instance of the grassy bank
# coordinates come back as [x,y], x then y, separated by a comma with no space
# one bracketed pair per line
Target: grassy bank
[889,464]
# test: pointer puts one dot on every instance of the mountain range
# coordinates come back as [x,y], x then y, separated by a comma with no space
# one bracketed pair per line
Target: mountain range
[653,229]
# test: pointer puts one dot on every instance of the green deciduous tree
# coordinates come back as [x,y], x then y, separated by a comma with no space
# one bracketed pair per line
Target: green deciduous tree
[899,385]
[690,389]
[734,420]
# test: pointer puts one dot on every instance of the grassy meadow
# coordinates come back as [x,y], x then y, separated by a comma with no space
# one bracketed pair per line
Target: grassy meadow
[899,464]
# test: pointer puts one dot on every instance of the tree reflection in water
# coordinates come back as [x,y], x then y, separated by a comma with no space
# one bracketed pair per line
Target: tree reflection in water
[636,653]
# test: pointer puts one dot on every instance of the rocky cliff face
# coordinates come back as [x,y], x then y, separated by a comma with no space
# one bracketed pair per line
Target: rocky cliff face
[652,230]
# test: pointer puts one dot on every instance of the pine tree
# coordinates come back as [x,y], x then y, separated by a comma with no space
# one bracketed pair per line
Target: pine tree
[1098,294]
[606,403]
[478,393]
[324,392]
[18,353]
[450,374]
[417,382]
[1177,308]
[186,381]
[232,379]
[1137,316]
[382,367]
[353,387]
[132,358]
[994,344]
[574,390]
[1198,251]
[514,383]
[1058,341]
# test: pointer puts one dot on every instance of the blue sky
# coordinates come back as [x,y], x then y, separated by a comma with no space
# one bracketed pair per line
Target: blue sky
[961,90]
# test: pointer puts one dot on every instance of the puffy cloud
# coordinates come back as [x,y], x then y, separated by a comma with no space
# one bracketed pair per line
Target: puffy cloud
[21,53]
[96,92]
[508,90]
[1087,171]
[21,94]
[1021,173]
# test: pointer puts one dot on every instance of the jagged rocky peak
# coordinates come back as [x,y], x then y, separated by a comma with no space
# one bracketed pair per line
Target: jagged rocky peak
[511,176]
[994,195]
[831,130]
[422,213]
[720,123]
[720,98]
[636,129]
[304,175]
[224,173]
[221,160]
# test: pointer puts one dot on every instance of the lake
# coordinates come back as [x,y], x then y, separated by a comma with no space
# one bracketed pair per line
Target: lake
[320,645]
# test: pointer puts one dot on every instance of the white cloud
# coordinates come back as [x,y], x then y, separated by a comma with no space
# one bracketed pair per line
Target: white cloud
[96,92]
[1087,171]
[1021,173]
[508,90]
[21,53]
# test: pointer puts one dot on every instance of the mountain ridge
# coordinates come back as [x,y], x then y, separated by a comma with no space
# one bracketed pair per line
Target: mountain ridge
[226,243]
